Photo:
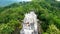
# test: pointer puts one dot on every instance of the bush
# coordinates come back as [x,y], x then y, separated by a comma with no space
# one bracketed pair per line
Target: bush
[53,29]
[9,27]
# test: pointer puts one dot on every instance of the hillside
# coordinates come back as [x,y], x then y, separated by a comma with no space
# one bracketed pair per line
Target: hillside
[48,13]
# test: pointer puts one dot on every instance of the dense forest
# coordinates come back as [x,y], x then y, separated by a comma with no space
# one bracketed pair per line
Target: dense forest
[48,12]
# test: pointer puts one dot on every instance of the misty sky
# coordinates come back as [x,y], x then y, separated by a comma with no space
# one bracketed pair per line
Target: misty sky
[58,0]
[6,2]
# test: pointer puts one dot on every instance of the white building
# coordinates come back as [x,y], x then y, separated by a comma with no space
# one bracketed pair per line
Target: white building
[29,24]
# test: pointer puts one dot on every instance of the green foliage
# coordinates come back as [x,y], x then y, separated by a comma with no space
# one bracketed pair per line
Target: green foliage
[9,27]
[48,11]
[53,30]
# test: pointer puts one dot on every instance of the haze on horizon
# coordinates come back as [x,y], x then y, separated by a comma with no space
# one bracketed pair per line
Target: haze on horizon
[58,0]
[7,2]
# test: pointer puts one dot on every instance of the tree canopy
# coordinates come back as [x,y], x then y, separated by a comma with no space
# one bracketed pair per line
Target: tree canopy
[48,11]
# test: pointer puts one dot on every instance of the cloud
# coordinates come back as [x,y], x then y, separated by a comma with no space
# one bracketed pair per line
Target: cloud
[58,0]
[24,0]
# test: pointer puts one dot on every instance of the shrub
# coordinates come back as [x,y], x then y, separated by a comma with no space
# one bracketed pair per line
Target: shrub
[53,29]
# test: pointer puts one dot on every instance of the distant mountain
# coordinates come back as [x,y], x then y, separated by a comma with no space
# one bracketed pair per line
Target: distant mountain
[8,2]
